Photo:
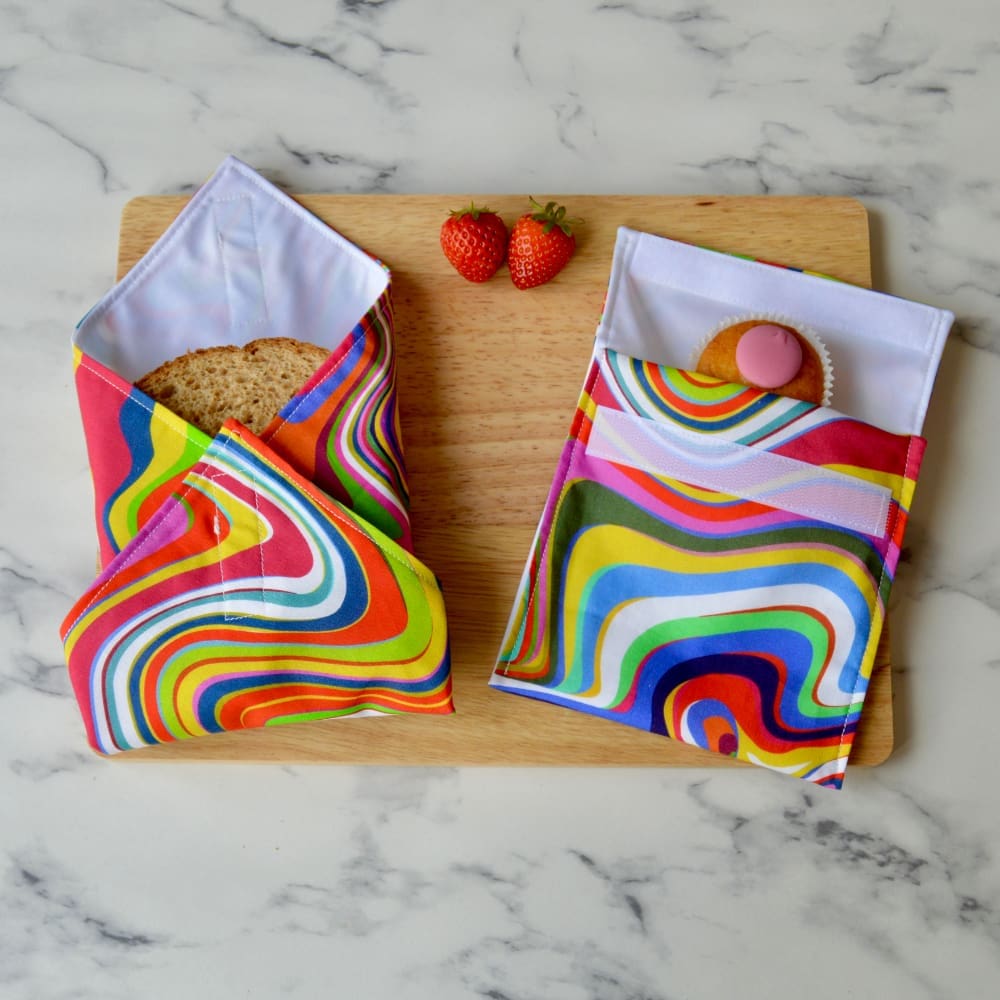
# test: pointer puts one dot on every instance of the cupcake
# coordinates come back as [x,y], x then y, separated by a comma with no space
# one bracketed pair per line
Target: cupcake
[768,352]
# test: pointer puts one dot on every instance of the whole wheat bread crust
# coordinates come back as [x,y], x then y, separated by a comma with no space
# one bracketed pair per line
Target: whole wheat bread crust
[252,383]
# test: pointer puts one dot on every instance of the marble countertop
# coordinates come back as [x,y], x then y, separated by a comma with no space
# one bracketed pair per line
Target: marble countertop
[213,881]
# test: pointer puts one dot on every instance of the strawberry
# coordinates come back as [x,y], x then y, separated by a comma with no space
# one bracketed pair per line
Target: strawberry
[541,245]
[475,241]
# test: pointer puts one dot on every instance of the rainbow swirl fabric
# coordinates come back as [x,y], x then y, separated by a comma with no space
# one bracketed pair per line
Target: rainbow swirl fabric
[249,581]
[251,599]
[341,431]
[713,564]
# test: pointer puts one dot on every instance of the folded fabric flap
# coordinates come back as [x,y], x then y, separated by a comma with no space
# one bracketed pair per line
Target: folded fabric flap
[241,261]
[739,471]
[665,297]
[244,261]
[250,598]
[751,443]
[342,429]
[682,582]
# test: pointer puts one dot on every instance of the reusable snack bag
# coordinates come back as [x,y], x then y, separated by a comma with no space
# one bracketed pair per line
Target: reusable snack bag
[245,580]
[713,561]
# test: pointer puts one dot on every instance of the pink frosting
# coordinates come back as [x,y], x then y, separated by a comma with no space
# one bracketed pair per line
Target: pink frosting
[768,356]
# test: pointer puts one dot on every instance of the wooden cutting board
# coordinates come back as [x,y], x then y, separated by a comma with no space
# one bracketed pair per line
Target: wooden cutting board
[489,378]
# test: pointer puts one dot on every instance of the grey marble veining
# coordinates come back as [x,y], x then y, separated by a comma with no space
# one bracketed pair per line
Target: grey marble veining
[124,881]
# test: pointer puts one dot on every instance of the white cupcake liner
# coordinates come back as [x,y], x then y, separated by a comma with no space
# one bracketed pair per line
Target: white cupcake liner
[807,334]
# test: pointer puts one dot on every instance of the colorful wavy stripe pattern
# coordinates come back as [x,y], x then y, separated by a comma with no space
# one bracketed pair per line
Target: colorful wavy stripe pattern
[139,452]
[720,622]
[251,599]
[342,431]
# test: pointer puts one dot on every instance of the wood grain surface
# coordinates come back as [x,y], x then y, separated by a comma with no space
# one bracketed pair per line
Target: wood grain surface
[489,377]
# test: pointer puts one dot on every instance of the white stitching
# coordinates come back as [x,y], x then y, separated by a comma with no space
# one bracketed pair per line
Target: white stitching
[337,515]
[138,400]
[213,495]
[260,270]
[260,534]
[220,241]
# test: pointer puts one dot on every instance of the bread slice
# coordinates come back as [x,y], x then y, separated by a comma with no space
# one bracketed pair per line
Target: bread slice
[250,383]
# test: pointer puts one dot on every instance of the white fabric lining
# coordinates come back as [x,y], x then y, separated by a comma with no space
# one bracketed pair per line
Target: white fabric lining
[241,261]
[664,296]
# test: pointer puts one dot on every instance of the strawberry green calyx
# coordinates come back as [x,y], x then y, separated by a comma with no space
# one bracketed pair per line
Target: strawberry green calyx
[552,215]
[471,210]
